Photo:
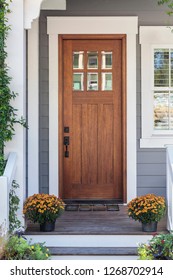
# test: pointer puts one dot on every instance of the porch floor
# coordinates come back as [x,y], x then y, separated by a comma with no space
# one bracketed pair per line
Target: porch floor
[95,223]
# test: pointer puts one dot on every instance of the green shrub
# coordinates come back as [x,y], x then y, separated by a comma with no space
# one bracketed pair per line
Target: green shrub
[3,238]
[17,248]
[160,247]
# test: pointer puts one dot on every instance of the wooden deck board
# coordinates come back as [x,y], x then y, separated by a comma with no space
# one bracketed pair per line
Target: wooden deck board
[95,223]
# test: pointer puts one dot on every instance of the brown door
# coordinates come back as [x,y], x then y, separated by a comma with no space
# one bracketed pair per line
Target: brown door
[93,132]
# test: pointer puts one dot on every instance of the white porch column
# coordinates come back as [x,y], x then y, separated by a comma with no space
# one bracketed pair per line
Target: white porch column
[33,109]
[17,65]
[32,10]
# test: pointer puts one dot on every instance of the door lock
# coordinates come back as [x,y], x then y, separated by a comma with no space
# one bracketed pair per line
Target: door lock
[66,129]
[66,140]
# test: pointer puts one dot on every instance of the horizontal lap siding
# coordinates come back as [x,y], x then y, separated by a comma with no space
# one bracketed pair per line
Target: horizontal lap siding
[44,110]
[151,173]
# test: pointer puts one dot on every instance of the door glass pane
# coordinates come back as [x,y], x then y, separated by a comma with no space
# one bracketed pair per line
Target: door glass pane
[78,81]
[161,110]
[161,67]
[92,81]
[106,60]
[106,81]
[78,58]
[92,60]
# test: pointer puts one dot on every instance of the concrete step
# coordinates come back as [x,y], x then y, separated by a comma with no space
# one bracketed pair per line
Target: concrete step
[92,251]
[93,257]
[89,241]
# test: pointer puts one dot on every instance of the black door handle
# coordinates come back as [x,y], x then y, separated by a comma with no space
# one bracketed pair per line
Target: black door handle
[66,144]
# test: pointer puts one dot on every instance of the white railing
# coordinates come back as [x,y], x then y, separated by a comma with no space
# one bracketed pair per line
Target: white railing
[169,165]
[5,186]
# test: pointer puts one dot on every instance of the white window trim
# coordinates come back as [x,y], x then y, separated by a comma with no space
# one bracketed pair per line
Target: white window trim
[152,37]
[93,25]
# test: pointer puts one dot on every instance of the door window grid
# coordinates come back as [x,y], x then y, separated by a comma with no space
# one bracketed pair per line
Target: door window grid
[96,72]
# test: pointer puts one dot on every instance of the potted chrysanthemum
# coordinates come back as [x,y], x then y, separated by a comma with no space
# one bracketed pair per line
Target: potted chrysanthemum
[43,209]
[147,209]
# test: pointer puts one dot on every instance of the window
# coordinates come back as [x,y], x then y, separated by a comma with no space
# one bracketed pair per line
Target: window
[163,88]
[156,86]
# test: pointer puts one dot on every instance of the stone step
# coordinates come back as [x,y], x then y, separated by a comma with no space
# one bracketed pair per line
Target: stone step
[100,251]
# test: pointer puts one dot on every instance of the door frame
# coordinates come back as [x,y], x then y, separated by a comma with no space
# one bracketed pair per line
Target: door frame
[61,39]
[96,26]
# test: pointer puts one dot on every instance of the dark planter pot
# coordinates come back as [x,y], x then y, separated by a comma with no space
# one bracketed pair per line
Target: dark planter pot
[47,226]
[151,227]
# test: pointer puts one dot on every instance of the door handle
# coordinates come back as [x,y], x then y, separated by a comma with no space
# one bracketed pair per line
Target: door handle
[66,140]
[66,144]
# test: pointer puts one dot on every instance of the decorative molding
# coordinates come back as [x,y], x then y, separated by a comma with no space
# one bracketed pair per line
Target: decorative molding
[32,9]
[107,25]
[53,5]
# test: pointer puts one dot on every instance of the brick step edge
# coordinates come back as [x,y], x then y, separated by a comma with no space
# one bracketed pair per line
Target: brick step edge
[95,251]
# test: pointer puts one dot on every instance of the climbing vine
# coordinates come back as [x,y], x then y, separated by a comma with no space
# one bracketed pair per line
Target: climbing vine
[14,223]
[8,114]
[169,5]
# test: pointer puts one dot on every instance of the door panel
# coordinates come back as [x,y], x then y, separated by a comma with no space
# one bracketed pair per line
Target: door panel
[106,140]
[77,145]
[92,108]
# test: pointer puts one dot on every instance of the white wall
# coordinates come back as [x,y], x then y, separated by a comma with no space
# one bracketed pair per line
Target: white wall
[17,64]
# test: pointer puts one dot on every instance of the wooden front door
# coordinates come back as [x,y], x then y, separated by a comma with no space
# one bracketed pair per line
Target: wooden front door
[93,117]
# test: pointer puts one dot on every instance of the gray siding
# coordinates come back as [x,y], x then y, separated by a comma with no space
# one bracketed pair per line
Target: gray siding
[151,173]
[44,110]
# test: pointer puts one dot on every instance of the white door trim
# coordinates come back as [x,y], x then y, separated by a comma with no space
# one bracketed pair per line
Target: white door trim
[92,25]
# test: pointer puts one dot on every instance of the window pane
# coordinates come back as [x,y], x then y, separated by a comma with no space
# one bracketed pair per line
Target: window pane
[106,81]
[106,60]
[171,54]
[161,110]
[78,58]
[92,60]
[92,81]
[161,67]
[171,111]
[78,81]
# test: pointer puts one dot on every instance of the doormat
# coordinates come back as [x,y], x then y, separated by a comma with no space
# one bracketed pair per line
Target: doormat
[91,207]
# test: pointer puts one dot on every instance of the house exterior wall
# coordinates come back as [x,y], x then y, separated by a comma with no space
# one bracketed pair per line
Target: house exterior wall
[44,109]
[151,163]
